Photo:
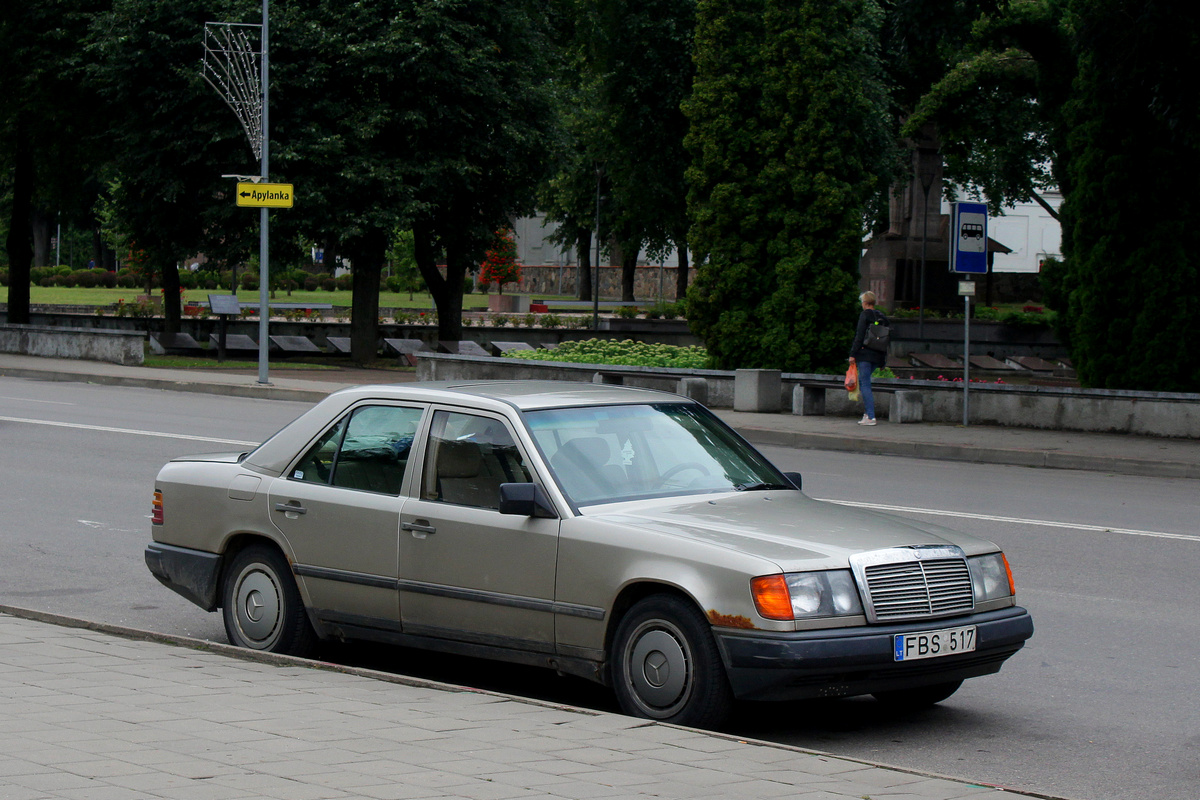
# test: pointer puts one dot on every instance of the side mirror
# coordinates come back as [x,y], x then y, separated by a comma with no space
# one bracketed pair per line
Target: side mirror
[526,500]
[796,478]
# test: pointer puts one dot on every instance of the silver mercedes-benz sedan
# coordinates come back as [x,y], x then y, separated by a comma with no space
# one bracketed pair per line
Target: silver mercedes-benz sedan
[620,534]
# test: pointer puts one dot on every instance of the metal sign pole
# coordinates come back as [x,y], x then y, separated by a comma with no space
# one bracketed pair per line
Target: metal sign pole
[967,290]
[264,263]
[966,360]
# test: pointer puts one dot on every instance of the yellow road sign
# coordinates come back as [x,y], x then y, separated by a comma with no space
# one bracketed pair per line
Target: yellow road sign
[264,195]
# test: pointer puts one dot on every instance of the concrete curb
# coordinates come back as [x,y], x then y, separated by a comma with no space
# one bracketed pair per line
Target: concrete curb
[269,392]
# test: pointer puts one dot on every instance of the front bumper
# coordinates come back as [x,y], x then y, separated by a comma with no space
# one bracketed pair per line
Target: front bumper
[841,662]
[191,573]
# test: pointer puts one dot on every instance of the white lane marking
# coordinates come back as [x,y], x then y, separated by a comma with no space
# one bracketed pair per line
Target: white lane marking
[130,431]
[1078,526]
[31,400]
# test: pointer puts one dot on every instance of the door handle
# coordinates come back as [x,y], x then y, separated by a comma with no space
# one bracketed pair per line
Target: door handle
[291,508]
[416,528]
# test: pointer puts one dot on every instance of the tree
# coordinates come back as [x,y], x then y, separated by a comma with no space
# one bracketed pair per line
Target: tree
[788,138]
[479,144]
[1131,275]
[44,126]
[645,69]
[1078,94]
[171,137]
[425,115]
[994,91]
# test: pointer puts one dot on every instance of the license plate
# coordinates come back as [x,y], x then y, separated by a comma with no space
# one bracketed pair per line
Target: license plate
[932,644]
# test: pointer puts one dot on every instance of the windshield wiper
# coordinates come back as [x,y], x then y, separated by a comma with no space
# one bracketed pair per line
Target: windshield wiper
[760,487]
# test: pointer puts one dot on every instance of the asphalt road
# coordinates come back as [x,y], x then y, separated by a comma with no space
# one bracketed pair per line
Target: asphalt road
[1100,704]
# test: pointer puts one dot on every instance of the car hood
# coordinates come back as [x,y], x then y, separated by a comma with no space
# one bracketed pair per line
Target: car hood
[788,527]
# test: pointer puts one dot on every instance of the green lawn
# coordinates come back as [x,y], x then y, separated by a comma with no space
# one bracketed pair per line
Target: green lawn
[420,301]
[58,295]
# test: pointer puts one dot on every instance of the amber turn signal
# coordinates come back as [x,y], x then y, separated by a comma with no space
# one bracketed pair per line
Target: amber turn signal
[771,597]
[156,509]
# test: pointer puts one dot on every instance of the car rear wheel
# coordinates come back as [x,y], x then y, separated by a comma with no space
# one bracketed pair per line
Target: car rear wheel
[915,699]
[666,665]
[261,606]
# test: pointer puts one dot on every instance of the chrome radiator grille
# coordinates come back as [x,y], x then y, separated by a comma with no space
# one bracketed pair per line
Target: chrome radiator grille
[912,583]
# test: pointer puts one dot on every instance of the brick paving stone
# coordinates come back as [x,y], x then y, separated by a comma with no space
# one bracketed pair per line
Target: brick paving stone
[149,720]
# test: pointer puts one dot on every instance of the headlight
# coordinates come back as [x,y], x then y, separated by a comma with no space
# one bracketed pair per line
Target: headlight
[806,595]
[991,578]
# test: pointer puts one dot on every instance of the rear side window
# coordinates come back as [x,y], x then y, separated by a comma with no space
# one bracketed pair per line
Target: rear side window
[367,450]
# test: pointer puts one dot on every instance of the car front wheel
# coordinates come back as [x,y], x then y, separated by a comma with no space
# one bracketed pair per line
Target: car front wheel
[261,605]
[666,665]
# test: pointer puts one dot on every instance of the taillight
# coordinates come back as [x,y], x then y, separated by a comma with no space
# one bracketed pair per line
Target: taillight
[156,509]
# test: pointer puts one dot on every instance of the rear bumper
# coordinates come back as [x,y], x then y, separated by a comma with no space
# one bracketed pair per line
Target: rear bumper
[191,573]
[841,662]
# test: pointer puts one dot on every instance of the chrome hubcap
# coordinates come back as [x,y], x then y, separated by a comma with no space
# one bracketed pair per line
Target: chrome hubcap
[257,601]
[659,668]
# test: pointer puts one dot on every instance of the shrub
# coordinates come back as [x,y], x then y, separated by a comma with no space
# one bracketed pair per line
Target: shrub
[248,281]
[329,284]
[627,312]
[624,353]
[551,321]
[108,279]
[3,277]
[500,262]
[85,279]
[344,282]
[312,283]
[126,280]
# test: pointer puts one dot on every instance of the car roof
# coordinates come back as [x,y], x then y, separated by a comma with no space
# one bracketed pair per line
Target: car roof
[276,453]
[524,395]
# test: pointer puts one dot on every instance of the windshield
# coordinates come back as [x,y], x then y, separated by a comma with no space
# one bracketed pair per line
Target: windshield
[605,454]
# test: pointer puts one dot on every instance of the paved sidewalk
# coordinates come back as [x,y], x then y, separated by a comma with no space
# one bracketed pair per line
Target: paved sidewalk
[91,714]
[1117,453]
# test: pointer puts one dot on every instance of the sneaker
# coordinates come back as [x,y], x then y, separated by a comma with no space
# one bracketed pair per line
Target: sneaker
[866,420]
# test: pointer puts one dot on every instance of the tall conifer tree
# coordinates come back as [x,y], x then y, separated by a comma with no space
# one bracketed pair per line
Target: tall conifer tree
[788,141]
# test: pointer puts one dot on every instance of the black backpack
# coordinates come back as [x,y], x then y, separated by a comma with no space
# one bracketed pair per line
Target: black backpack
[878,334]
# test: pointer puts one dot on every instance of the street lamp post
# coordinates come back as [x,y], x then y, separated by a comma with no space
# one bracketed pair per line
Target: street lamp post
[264,238]
[230,67]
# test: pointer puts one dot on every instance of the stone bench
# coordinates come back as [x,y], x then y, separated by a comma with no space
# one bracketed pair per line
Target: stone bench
[234,343]
[907,405]
[294,345]
[404,349]
[162,344]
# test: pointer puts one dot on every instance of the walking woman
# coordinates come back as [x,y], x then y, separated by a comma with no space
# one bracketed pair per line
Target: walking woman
[867,358]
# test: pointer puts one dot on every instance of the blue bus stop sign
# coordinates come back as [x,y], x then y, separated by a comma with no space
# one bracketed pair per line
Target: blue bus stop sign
[968,238]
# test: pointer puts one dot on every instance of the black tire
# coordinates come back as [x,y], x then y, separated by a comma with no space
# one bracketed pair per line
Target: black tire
[916,699]
[665,665]
[261,605]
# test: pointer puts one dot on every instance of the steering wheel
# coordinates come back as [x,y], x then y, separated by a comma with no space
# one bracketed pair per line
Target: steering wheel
[686,465]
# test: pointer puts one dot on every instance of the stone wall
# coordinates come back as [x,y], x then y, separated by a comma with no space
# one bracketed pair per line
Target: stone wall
[90,344]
